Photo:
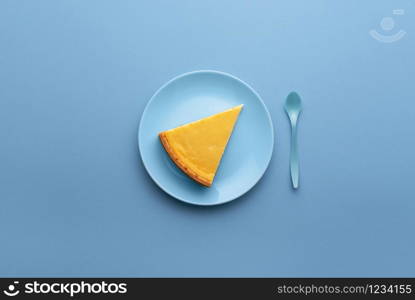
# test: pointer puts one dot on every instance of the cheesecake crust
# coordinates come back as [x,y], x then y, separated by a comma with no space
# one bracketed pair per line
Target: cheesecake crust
[180,163]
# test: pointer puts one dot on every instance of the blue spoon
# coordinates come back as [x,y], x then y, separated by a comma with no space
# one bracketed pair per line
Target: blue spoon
[293,108]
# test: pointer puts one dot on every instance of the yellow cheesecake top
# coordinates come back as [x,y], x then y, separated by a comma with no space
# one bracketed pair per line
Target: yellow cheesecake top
[197,147]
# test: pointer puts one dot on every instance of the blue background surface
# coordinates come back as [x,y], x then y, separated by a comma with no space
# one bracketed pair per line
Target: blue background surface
[75,199]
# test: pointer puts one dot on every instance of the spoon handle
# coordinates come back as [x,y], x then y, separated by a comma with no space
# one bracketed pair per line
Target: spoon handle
[294,168]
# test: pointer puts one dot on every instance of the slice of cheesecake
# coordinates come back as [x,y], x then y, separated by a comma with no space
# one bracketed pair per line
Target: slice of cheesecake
[197,147]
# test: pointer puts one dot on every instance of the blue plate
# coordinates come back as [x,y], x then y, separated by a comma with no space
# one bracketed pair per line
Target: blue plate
[196,95]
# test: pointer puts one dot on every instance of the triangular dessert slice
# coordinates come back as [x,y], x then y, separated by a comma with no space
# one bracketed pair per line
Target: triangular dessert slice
[197,147]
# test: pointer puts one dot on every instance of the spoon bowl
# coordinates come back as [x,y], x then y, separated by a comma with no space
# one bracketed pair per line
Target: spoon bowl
[293,105]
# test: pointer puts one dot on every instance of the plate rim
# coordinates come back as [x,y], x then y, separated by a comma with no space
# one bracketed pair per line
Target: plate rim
[271,150]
